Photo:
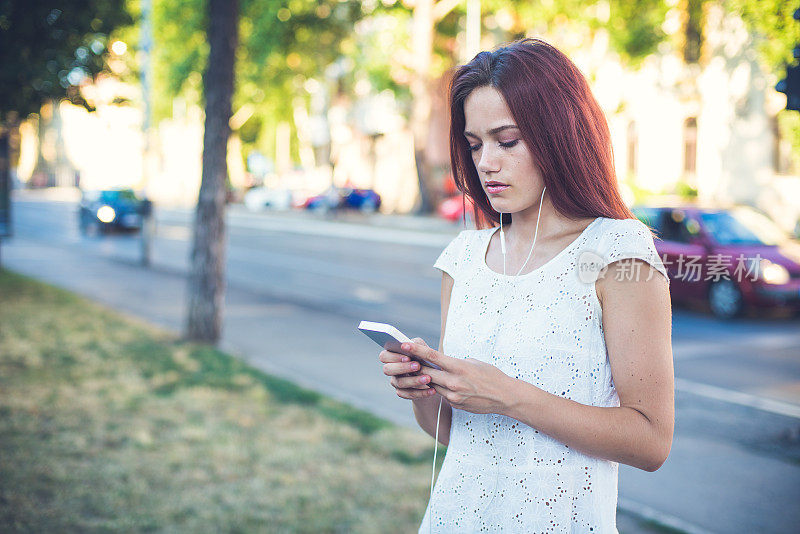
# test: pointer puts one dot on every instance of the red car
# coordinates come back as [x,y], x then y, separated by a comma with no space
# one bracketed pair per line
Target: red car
[452,209]
[734,259]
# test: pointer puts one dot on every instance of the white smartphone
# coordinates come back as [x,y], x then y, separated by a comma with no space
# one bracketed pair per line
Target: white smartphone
[390,338]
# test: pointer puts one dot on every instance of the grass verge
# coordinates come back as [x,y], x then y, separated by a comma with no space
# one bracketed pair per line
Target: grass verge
[107,424]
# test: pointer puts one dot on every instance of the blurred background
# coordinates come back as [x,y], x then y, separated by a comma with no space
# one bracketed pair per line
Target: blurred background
[351,94]
[244,214]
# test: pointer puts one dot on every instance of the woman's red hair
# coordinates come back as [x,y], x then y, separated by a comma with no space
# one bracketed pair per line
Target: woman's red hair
[559,120]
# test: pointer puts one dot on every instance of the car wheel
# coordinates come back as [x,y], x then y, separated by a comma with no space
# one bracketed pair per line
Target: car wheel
[92,229]
[725,299]
[369,206]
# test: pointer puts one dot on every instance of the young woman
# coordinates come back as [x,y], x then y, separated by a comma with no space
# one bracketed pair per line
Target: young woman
[555,353]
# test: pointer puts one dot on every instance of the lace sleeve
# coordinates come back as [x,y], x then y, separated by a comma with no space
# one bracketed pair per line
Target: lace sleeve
[631,238]
[451,257]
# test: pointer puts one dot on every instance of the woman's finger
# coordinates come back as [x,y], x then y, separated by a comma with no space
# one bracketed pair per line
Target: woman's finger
[441,378]
[406,382]
[443,391]
[395,369]
[387,356]
[412,394]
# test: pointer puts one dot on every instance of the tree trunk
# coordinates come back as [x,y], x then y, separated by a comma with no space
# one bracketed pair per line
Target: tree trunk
[423,22]
[207,270]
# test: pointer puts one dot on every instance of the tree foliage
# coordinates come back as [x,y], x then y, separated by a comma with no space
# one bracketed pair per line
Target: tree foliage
[282,44]
[776,34]
[48,48]
[633,26]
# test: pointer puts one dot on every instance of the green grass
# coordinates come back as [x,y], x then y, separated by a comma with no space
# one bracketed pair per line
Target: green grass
[108,424]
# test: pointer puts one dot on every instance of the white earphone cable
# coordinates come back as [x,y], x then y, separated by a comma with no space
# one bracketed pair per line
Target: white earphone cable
[433,469]
[441,399]
[535,234]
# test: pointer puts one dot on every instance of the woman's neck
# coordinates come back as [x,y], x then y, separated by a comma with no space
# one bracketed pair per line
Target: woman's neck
[520,234]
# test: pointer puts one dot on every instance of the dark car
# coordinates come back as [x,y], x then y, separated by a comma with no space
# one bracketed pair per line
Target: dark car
[733,259]
[111,209]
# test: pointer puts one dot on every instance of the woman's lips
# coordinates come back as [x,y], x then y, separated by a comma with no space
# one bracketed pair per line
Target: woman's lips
[494,189]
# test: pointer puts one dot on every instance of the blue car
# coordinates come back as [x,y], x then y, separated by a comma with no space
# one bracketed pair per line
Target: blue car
[111,209]
[345,198]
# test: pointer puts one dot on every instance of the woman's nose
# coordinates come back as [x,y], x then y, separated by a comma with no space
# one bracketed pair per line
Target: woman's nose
[488,160]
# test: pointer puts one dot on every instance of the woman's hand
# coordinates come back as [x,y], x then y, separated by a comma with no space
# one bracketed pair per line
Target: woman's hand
[467,384]
[403,374]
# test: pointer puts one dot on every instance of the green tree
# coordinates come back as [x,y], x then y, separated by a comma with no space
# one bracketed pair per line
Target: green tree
[633,26]
[48,48]
[277,45]
[282,44]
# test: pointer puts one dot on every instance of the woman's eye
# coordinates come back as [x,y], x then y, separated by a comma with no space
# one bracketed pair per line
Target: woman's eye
[509,144]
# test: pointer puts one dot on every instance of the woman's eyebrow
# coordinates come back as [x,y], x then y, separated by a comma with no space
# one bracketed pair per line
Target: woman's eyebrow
[493,130]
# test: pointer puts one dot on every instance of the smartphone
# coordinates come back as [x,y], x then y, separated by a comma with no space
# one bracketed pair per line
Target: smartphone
[390,338]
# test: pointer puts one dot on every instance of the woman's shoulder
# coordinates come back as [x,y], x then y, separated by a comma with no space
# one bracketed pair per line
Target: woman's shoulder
[629,239]
[472,235]
[625,228]
[457,252]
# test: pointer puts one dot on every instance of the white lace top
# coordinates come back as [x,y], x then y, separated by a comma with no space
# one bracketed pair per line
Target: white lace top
[543,327]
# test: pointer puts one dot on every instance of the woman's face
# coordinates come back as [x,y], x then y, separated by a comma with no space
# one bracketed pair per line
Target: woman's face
[499,153]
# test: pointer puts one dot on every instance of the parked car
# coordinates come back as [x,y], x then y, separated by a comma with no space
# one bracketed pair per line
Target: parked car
[734,259]
[452,209]
[349,198]
[365,200]
[111,209]
[261,198]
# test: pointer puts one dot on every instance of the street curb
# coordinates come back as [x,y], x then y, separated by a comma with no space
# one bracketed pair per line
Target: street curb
[310,225]
[660,518]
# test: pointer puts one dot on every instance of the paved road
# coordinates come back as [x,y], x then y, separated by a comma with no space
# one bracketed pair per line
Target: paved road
[733,467]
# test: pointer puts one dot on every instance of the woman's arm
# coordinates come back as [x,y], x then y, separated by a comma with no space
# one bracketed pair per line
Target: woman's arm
[637,323]
[426,409]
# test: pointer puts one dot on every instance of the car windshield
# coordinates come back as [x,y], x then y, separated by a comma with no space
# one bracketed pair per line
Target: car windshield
[743,226]
[117,195]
